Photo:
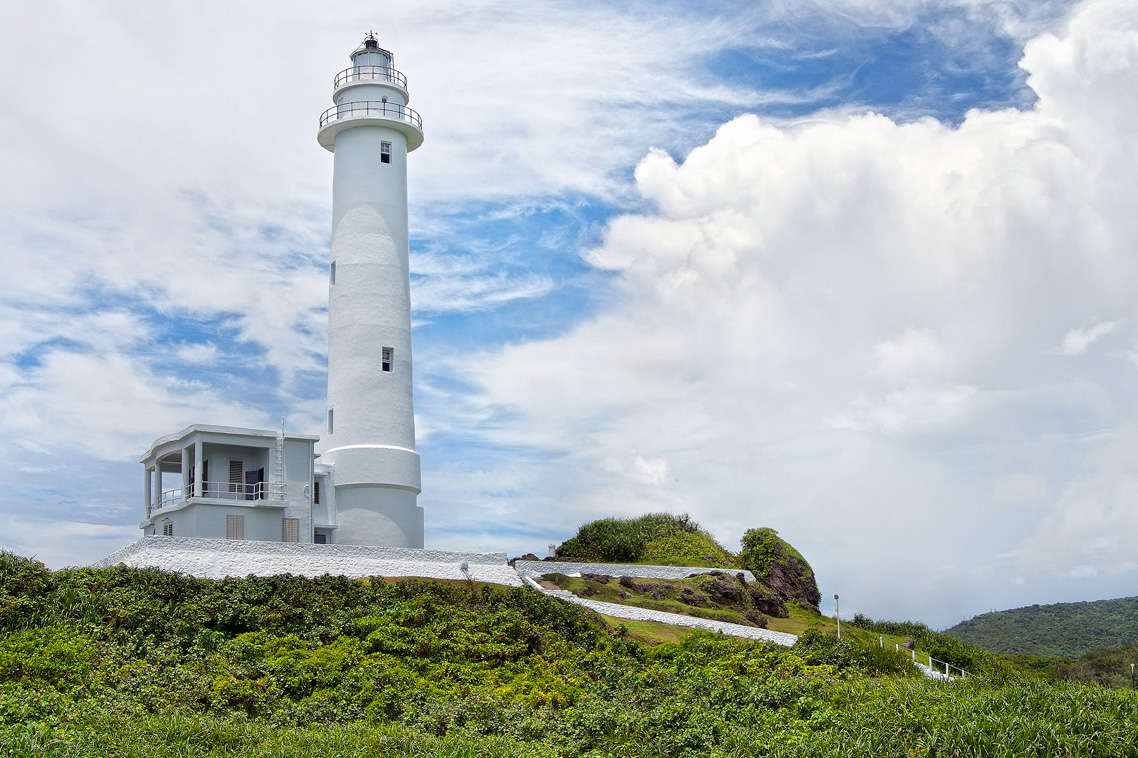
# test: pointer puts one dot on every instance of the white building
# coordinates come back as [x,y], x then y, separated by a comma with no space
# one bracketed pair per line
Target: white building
[253,484]
[363,490]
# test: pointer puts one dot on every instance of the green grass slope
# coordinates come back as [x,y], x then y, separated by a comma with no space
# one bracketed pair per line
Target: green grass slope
[1064,629]
[128,663]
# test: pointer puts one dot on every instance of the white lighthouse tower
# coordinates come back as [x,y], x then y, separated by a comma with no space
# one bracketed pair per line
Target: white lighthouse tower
[370,459]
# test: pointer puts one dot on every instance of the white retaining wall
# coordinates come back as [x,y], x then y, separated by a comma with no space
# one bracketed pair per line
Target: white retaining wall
[675,619]
[215,559]
[537,568]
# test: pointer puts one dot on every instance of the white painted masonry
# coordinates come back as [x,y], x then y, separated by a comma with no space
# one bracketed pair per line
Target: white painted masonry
[217,559]
[374,470]
[637,571]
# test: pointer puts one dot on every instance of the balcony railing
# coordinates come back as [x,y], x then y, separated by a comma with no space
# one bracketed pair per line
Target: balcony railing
[370,74]
[224,491]
[376,108]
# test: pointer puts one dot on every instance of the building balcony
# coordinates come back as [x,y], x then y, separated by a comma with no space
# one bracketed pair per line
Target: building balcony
[369,75]
[258,493]
[393,115]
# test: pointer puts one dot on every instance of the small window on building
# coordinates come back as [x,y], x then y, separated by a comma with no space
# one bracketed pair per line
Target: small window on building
[168,529]
[329,421]
[290,530]
[236,475]
[385,151]
[388,355]
[332,272]
[316,492]
[234,527]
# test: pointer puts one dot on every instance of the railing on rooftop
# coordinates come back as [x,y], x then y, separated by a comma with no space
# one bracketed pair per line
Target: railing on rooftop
[224,491]
[373,108]
[370,74]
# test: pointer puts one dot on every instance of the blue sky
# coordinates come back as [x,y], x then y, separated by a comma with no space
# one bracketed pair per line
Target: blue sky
[858,270]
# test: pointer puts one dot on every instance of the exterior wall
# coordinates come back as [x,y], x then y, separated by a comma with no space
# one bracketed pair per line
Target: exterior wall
[373,92]
[218,457]
[298,469]
[215,559]
[368,515]
[371,437]
[369,306]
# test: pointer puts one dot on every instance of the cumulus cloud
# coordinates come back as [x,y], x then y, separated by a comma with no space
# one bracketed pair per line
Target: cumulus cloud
[765,345]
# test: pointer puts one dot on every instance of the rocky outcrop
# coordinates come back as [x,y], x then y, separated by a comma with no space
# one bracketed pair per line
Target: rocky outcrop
[779,567]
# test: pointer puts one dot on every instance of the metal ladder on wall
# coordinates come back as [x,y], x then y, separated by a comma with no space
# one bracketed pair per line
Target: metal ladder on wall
[278,465]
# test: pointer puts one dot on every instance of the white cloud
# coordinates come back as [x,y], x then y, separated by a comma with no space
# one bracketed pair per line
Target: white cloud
[457,284]
[913,408]
[110,406]
[771,296]
[201,354]
[911,353]
[1077,341]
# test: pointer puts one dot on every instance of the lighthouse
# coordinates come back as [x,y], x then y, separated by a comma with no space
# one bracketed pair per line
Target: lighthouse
[370,463]
[223,482]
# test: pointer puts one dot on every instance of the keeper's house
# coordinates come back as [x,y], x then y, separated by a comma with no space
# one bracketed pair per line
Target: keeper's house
[224,482]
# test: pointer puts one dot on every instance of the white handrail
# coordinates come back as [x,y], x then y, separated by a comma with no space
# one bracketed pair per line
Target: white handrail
[224,491]
[947,666]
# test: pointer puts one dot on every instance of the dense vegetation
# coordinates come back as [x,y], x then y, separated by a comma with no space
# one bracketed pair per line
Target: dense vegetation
[939,645]
[1063,629]
[656,539]
[126,662]
[1107,667]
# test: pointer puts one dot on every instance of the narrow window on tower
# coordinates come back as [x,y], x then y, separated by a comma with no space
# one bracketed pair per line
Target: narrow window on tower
[329,421]
[385,152]
[168,529]
[388,354]
[316,492]
[332,272]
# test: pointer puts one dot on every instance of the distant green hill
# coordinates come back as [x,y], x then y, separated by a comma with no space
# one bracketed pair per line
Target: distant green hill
[1062,629]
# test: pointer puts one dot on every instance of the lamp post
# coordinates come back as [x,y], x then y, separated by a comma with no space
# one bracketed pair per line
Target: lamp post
[838,616]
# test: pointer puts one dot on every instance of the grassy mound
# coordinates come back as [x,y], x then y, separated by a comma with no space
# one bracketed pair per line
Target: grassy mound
[779,567]
[660,539]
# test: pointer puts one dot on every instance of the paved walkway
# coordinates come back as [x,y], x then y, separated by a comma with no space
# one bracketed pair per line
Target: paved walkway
[643,614]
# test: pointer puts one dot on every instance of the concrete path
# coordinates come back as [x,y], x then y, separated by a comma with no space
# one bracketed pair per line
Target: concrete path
[675,619]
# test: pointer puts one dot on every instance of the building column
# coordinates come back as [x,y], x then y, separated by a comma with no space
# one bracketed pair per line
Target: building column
[148,498]
[185,474]
[199,469]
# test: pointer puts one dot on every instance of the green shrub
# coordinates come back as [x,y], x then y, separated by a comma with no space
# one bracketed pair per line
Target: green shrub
[49,655]
[660,538]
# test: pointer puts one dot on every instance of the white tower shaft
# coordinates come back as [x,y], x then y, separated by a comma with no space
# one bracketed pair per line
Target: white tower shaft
[371,418]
